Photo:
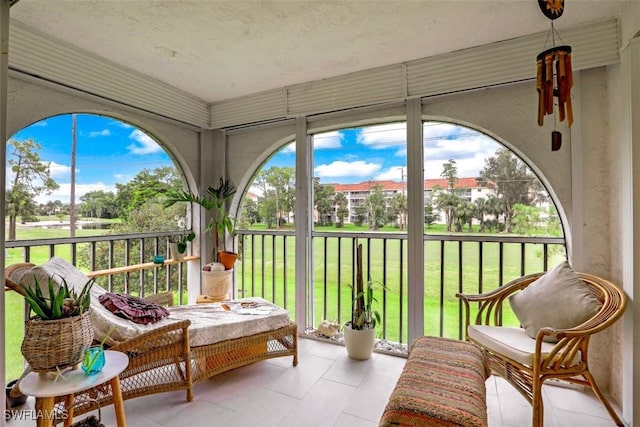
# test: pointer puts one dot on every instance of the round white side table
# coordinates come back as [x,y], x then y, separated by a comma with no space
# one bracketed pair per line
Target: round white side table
[45,389]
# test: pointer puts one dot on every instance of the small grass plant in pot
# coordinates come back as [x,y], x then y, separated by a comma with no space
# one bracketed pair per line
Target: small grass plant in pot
[359,332]
[57,335]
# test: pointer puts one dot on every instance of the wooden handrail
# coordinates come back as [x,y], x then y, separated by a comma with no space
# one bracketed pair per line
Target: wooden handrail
[137,267]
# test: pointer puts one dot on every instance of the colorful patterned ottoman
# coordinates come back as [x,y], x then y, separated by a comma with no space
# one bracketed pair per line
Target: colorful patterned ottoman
[442,384]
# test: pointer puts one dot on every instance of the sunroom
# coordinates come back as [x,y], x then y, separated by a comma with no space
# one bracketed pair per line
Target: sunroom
[222,86]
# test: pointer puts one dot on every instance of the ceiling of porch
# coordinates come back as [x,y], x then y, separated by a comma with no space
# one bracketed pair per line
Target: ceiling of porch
[218,50]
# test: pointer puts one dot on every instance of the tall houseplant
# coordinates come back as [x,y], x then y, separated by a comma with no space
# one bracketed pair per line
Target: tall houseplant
[360,333]
[215,202]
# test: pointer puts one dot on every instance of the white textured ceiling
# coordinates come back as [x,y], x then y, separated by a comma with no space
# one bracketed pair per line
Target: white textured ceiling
[216,50]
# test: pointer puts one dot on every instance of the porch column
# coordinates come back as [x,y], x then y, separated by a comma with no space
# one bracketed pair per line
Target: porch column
[415,223]
[4,66]
[630,63]
[304,257]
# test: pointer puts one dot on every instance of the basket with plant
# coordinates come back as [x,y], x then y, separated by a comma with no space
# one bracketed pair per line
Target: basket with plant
[60,331]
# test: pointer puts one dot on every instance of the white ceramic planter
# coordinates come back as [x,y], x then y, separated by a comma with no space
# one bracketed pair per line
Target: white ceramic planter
[174,252]
[216,284]
[359,343]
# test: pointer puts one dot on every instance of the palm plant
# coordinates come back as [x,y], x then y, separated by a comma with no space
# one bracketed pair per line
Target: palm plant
[214,201]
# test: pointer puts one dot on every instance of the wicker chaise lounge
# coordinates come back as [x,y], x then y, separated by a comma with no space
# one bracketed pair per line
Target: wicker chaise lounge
[178,351]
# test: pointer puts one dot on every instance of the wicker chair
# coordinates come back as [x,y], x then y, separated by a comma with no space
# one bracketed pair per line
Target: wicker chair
[539,360]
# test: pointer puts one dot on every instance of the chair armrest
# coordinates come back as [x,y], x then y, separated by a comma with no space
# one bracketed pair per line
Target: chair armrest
[490,303]
[13,274]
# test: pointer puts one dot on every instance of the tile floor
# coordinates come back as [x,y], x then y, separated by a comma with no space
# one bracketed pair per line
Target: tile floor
[329,389]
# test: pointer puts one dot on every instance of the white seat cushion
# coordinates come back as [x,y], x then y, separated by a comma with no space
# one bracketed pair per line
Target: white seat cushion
[513,343]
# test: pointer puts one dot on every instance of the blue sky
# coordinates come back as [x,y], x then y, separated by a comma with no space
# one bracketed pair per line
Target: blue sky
[110,152]
[379,152]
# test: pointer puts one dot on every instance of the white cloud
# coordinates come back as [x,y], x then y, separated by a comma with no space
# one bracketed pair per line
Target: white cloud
[64,191]
[290,148]
[341,169]
[144,143]
[467,147]
[394,173]
[383,136]
[60,171]
[41,123]
[122,124]
[327,140]
[467,167]
[103,132]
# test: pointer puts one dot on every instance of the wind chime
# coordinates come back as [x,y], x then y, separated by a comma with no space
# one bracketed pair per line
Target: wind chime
[554,76]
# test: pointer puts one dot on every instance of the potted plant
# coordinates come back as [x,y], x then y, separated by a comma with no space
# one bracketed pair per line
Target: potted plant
[60,331]
[215,202]
[359,332]
[216,277]
[178,242]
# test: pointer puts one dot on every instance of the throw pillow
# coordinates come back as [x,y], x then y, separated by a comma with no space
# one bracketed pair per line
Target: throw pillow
[559,299]
[138,310]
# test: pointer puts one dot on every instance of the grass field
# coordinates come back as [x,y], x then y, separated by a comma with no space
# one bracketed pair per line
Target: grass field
[274,259]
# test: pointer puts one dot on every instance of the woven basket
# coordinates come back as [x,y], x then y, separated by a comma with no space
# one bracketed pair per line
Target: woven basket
[56,344]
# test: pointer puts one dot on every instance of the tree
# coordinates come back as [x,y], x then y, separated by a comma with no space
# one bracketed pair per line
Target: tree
[447,202]
[430,216]
[31,177]
[267,208]
[450,172]
[525,219]
[342,211]
[375,205]
[98,204]
[464,211]
[480,210]
[146,185]
[282,183]
[360,212]
[511,180]
[249,213]
[323,201]
[398,209]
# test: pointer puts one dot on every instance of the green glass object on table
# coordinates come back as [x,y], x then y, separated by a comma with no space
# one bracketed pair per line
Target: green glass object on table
[93,360]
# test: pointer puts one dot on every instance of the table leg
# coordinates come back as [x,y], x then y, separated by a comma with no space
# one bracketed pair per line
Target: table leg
[118,404]
[68,404]
[45,418]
